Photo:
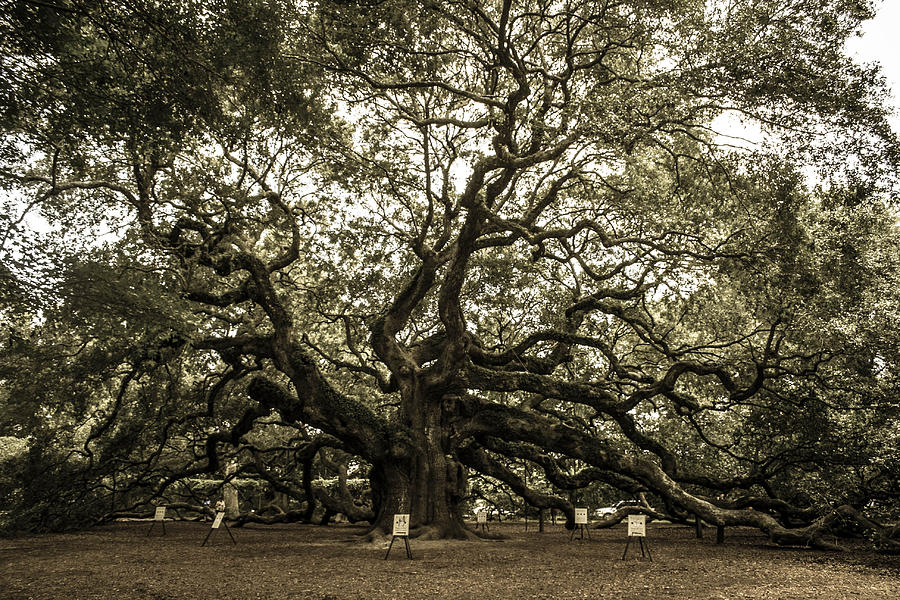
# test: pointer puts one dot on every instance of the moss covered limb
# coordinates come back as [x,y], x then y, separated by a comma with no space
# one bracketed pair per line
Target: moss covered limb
[318,404]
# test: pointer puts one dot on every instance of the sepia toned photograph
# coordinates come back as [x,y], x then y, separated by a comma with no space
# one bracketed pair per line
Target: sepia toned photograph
[454,299]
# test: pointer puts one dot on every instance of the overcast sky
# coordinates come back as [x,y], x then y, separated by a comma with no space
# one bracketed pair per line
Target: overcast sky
[881,43]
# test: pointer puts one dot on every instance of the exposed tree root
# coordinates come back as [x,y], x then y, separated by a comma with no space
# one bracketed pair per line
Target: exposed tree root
[344,504]
[380,537]
[376,537]
[431,532]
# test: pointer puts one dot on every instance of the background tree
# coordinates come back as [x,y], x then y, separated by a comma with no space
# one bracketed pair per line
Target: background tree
[441,236]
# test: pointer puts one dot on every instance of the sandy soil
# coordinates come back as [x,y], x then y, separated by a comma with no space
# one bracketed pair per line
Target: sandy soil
[310,562]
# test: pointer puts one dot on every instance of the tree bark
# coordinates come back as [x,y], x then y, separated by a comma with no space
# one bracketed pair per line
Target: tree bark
[427,483]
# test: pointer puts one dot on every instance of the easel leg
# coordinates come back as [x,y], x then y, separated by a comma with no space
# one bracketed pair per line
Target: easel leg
[408,551]
[389,547]
[151,528]
[206,539]
[588,531]
[228,529]
[624,554]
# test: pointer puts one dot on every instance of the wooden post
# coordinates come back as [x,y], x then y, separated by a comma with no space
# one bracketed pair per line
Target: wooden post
[524,502]
[230,494]
[720,534]
[698,526]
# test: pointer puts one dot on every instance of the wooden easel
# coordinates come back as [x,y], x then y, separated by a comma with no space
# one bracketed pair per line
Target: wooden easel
[481,521]
[637,528]
[401,530]
[640,539]
[580,524]
[158,517]
[581,527]
[220,520]
[405,541]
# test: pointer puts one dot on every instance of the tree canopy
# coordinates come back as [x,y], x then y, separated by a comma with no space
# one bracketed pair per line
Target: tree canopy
[416,242]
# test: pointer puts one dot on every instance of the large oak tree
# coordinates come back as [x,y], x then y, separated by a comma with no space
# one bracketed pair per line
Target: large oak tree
[437,236]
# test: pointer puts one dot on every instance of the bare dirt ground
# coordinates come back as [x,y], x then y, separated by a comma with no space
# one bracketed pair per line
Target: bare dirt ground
[310,562]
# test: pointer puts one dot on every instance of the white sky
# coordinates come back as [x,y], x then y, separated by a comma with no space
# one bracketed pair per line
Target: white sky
[881,43]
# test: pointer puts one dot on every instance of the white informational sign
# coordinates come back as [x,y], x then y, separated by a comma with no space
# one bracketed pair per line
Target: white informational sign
[637,525]
[160,513]
[401,524]
[482,517]
[581,516]
[218,521]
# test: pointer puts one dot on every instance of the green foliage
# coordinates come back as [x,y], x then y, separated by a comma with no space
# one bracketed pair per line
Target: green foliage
[408,225]
[44,491]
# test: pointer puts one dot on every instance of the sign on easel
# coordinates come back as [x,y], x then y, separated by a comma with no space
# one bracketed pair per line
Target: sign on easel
[401,529]
[159,516]
[218,522]
[481,520]
[401,525]
[637,528]
[580,523]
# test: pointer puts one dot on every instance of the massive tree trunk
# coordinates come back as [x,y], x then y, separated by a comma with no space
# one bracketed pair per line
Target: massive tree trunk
[415,488]
[421,477]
